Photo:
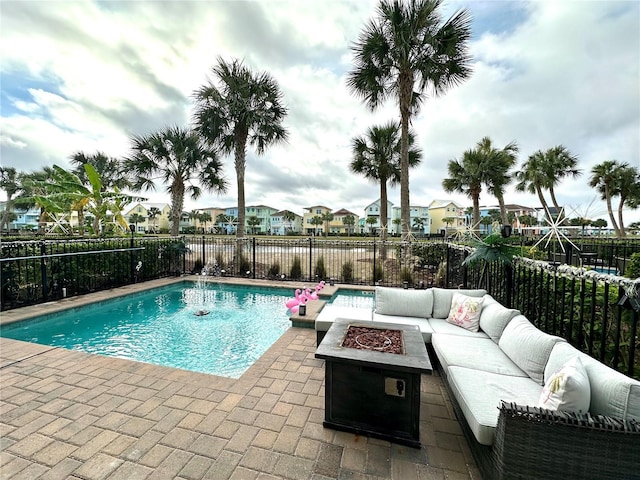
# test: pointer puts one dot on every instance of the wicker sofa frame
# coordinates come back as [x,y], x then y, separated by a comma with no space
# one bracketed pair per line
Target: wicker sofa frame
[536,444]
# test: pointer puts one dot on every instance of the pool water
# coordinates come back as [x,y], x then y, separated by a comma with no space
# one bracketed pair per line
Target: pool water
[168,326]
[353,298]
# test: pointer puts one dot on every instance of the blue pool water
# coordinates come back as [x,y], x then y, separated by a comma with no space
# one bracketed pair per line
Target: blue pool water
[353,298]
[160,326]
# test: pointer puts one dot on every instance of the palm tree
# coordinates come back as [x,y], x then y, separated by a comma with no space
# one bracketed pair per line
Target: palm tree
[153,214]
[289,217]
[177,157]
[35,188]
[240,108]
[501,162]
[253,222]
[376,155]
[326,218]
[109,169]
[10,184]
[348,221]
[418,224]
[467,176]
[558,164]
[405,51]
[315,221]
[136,219]
[532,178]
[612,178]
[204,217]
[371,221]
[193,216]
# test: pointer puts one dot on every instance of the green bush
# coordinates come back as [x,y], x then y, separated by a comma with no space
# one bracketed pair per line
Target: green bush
[320,271]
[407,275]
[296,269]
[244,265]
[347,271]
[220,259]
[274,270]
[378,274]
[633,267]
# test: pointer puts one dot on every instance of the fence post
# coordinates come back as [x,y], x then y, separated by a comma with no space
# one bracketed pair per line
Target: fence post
[43,271]
[310,260]
[508,285]
[204,257]
[446,270]
[374,263]
[253,253]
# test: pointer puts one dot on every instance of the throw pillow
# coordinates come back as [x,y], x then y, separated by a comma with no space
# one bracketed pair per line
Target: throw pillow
[568,389]
[465,311]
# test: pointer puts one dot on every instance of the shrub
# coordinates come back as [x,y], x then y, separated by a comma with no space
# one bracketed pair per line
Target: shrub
[378,274]
[274,270]
[244,264]
[220,259]
[197,266]
[441,275]
[347,271]
[320,271]
[407,275]
[633,267]
[296,269]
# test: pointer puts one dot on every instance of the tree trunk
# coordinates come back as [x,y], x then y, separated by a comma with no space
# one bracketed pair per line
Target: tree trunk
[405,81]
[240,162]
[623,233]
[503,210]
[610,210]
[177,202]
[383,218]
[543,203]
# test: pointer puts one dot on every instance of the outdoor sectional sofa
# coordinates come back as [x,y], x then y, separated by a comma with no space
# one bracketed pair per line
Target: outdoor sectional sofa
[495,377]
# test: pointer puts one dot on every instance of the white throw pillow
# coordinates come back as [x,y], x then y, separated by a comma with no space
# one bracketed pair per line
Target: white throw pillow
[465,311]
[568,389]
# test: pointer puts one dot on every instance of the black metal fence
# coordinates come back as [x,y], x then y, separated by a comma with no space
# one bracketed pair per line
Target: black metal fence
[591,309]
[596,312]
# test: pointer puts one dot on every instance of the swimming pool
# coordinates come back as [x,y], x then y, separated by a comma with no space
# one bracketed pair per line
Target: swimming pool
[166,326]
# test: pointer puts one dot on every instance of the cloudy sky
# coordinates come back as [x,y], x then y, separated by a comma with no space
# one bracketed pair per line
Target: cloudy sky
[87,75]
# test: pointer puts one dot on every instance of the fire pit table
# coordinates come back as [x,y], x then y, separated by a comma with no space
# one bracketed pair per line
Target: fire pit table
[369,389]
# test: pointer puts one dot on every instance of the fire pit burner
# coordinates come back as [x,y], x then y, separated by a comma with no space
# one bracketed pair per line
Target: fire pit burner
[379,339]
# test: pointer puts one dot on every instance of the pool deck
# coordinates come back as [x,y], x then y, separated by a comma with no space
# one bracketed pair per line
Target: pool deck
[71,415]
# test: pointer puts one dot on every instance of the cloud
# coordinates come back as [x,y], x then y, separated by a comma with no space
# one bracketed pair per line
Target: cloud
[85,76]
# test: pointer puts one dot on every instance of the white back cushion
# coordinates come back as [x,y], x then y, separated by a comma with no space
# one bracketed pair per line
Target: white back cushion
[528,347]
[495,317]
[612,393]
[401,302]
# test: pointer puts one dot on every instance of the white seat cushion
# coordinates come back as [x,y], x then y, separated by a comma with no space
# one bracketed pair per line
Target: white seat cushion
[479,394]
[442,326]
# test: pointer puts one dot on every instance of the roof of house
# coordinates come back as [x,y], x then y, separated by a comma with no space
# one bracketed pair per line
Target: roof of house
[343,211]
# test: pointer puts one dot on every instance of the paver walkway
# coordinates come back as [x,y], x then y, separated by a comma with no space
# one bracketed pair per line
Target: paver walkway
[71,415]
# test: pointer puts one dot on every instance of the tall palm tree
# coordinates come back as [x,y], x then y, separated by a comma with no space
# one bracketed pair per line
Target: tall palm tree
[467,176]
[35,187]
[154,213]
[403,53]
[238,108]
[10,184]
[177,157]
[559,163]
[615,179]
[376,155]
[289,217]
[532,178]
[348,221]
[501,161]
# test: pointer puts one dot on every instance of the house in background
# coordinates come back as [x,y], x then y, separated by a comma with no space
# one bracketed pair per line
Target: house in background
[419,219]
[284,226]
[337,226]
[373,211]
[439,210]
[150,223]
[257,219]
[24,219]
[316,211]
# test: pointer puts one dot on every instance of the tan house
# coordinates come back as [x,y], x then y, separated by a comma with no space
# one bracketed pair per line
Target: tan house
[310,212]
[439,210]
[337,225]
[152,222]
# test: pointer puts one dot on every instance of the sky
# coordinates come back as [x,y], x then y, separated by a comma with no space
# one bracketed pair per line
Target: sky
[88,75]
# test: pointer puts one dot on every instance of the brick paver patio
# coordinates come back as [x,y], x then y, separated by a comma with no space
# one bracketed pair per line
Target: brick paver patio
[71,415]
